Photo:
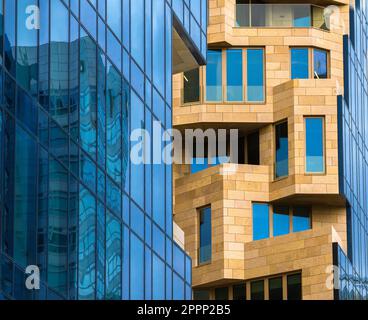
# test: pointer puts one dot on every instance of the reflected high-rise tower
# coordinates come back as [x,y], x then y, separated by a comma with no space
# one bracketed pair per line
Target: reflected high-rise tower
[76,78]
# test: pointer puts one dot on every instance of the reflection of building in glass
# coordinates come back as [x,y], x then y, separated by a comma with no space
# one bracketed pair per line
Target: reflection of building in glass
[295,205]
[97,226]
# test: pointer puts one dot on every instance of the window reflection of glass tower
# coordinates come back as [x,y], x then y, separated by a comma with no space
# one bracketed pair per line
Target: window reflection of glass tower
[70,200]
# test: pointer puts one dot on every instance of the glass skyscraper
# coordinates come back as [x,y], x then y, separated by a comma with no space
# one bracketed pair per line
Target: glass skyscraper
[353,146]
[77,77]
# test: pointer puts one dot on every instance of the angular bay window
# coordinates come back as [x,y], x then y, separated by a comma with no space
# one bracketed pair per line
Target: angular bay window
[214,76]
[281,221]
[234,80]
[205,235]
[299,63]
[301,219]
[191,86]
[282,150]
[261,224]
[314,145]
[255,75]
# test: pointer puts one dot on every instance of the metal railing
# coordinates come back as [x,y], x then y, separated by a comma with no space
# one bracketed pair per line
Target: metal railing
[281,15]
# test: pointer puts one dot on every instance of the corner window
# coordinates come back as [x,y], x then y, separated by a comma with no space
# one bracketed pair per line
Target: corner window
[301,219]
[214,76]
[294,287]
[314,145]
[282,150]
[205,235]
[261,228]
[281,221]
[191,86]
[301,68]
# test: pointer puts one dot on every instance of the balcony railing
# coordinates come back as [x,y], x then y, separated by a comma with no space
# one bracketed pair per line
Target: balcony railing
[281,15]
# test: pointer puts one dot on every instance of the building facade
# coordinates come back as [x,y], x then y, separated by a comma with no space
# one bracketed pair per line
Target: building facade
[77,77]
[288,218]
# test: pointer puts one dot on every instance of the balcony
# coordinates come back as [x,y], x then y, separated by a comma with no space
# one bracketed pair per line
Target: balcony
[281,16]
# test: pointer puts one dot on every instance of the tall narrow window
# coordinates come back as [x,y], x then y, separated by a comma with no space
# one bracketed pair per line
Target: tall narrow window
[205,236]
[222,294]
[281,218]
[255,75]
[239,292]
[257,290]
[275,288]
[282,152]
[214,76]
[314,145]
[301,219]
[299,63]
[253,148]
[261,227]
[234,65]
[191,86]
[320,58]
[294,287]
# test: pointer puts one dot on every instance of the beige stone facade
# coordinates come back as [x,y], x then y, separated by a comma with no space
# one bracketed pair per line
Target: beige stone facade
[231,190]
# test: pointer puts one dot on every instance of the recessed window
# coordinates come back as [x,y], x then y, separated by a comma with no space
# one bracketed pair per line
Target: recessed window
[205,235]
[240,292]
[201,295]
[214,76]
[257,290]
[314,144]
[294,287]
[281,221]
[301,68]
[275,288]
[191,86]
[261,228]
[301,219]
[222,294]
[282,150]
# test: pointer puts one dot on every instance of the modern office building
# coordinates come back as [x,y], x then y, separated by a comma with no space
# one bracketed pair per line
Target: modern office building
[287,219]
[76,78]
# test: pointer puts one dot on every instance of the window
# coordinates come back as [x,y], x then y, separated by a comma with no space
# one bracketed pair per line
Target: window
[294,287]
[191,86]
[255,75]
[214,76]
[282,150]
[240,292]
[314,132]
[200,164]
[275,288]
[261,228]
[253,148]
[281,221]
[299,63]
[222,294]
[257,290]
[320,63]
[234,80]
[302,16]
[201,295]
[205,236]
[301,68]
[301,219]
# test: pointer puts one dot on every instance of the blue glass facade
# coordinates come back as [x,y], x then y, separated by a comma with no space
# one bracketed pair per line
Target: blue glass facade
[71,202]
[353,148]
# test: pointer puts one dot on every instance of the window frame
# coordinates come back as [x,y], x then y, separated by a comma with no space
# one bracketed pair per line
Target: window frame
[274,149]
[224,100]
[324,172]
[199,212]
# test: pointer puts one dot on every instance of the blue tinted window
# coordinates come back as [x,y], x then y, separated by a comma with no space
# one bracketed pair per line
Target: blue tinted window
[261,224]
[205,235]
[214,76]
[320,64]
[255,75]
[299,63]
[281,221]
[302,16]
[234,68]
[200,164]
[314,145]
[301,219]
[136,268]
[158,278]
[114,16]
[282,150]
